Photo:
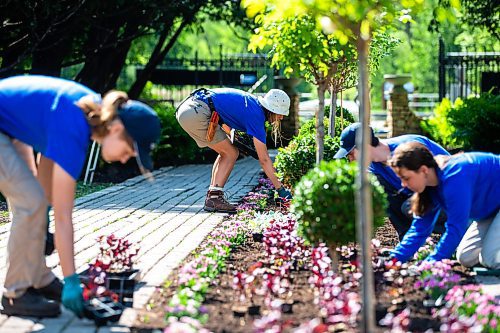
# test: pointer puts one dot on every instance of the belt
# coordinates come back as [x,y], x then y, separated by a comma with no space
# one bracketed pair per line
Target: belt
[215,119]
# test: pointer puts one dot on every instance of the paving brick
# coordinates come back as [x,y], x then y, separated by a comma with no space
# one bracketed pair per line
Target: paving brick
[18,324]
[48,325]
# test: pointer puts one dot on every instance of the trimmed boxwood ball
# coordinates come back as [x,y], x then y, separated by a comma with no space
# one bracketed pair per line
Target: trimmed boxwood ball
[324,203]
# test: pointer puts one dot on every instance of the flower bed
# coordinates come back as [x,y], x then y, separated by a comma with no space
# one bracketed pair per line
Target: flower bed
[255,274]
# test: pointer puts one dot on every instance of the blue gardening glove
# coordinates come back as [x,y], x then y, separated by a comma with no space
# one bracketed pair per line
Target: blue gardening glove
[72,294]
[284,193]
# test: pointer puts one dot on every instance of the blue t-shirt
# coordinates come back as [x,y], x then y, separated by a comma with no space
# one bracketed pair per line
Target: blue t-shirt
[468,189]
[384,171]
[41,112]
[239,110]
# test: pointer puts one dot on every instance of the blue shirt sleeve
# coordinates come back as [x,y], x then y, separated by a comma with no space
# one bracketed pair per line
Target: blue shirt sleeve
[420,229]
[458,198]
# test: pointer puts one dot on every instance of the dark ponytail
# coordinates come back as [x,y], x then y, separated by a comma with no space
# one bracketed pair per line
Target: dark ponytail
[412,156]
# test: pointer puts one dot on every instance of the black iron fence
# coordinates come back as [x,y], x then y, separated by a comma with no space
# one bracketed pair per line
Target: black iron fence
[462,74]
[175,78]
[242,61]
[227,70]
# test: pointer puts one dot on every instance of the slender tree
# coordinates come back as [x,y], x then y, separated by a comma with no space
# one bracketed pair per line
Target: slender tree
[298,46]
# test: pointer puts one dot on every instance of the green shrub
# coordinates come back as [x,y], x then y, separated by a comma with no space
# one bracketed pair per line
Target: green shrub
[175,146]
[346,114]
[438,126]
[324,203]
[477,123]
[293,161]
[472,124]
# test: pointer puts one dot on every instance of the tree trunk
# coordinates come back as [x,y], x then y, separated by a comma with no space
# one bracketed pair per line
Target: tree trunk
[332,249]
[102,70]
[333,110]
[156,58]
[12,58]
[341,113]
[364,211]
[320,123]
[50,54]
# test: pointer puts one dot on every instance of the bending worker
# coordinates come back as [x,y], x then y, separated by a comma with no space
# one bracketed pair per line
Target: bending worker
[467,187]
[379,153]
[57,118]
[204,110]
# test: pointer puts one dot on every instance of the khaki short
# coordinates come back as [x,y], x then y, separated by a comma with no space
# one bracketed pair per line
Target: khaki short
[193,116]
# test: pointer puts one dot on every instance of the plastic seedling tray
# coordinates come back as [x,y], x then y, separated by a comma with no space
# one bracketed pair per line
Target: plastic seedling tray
[102,309]
[123,284]
[244,143]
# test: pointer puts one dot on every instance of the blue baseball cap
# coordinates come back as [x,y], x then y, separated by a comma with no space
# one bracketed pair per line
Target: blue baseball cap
[348,140]
[143,126]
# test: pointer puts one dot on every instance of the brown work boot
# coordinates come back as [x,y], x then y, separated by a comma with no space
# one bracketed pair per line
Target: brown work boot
[215,202]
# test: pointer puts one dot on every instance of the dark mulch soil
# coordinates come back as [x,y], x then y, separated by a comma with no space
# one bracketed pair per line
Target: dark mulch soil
[221,299]
[395,297]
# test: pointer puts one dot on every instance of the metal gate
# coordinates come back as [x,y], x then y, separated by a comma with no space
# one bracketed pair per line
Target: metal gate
[462,74]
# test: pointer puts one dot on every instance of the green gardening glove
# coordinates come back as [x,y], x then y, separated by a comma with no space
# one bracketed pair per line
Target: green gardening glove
[72,294]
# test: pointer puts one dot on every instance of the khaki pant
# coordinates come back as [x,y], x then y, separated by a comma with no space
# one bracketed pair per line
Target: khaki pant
[26,265]
[481,244]
[193,116]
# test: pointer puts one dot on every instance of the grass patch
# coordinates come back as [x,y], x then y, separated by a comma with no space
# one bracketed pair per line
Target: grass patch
[82,190]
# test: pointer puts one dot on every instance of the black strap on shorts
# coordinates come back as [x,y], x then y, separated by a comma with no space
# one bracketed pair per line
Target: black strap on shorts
[210,102]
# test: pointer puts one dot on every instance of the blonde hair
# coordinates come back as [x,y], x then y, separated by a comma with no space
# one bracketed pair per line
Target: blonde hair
[275,126]
[100,115]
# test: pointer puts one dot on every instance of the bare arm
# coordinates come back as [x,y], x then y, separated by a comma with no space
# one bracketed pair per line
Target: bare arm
[62,200]
[45,172]
[266,163]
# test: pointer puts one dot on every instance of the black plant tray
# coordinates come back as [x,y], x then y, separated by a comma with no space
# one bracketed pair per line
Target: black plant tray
[244,143]
[102,309]
[123,284]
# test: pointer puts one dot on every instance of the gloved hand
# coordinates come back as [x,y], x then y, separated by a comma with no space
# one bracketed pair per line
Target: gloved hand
[72,294]
[284,193]
[387,262]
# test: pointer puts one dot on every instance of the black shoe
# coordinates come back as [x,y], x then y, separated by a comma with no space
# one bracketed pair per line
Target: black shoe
[52,291]
[30,304]
[49,244]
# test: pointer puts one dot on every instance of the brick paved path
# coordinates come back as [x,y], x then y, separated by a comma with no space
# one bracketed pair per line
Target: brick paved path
[166,216]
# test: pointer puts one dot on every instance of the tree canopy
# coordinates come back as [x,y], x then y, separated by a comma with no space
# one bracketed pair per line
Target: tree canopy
[95,36]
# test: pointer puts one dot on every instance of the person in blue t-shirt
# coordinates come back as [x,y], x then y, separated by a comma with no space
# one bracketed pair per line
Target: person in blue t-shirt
[380,152]
[57,118]
[467,187]
[237,110]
